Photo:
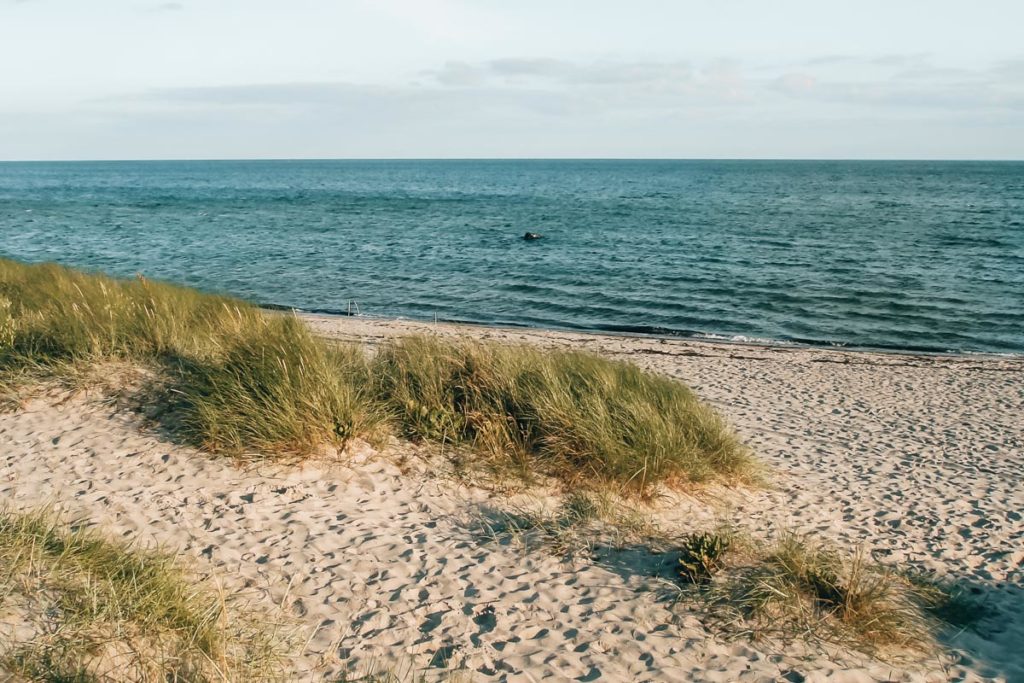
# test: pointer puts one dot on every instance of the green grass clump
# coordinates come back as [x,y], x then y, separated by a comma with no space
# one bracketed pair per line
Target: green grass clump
[239,380]
[90,609]
[576,416]
[278,390]
[802,589]
[702,555]
[51,315]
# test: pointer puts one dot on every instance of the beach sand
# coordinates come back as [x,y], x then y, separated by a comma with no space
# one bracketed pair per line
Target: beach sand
[379,560]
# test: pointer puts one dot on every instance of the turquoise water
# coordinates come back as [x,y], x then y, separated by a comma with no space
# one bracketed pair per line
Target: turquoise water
[903,255]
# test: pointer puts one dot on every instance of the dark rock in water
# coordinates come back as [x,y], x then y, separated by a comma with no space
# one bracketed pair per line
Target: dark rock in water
[532,236]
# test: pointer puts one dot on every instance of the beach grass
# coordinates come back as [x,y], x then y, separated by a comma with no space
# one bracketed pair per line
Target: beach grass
[799,588]
[50,314]
[277,390]
[575,416]
[241,381]
[237,380]
[94,609]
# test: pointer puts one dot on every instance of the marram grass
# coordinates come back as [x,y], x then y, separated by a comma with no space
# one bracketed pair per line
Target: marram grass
[51,314]
[799,588]
[577,416]
[277,389]
[94,609]
[242,381]
[238,380]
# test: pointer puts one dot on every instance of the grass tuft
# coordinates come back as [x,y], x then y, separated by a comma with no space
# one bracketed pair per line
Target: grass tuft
[239,380]
[277,390]
[801,589]
[574,416]
[702,555]
[90,609]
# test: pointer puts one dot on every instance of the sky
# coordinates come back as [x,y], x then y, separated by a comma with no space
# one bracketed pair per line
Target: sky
[849,79]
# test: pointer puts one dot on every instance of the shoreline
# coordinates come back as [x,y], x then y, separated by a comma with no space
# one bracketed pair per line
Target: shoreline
[708,338]
[331,324]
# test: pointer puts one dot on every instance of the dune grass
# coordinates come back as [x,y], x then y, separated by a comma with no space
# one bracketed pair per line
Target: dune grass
[797,588]
[245,382]
[89,609]
[277,390]
[239,380]
[575,416]
[50,314]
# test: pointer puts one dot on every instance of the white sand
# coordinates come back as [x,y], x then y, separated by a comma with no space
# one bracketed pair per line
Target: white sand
[920,459]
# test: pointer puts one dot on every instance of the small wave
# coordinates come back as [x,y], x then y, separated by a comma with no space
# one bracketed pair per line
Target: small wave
[959,241]
[992,354]
[742,339]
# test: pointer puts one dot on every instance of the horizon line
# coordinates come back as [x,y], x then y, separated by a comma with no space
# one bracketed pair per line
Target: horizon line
[424,158]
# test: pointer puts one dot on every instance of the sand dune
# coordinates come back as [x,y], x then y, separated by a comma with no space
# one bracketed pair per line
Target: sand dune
[920,459]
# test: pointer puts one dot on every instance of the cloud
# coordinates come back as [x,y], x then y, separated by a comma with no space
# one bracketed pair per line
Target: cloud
[540,71]
[167,7]
[826,60]
[551,87]
[901,60]
[259,94]
[523,106]
[910,81]
[951,96]
[350,101]
[893,80]
[794,83]
[1012,69]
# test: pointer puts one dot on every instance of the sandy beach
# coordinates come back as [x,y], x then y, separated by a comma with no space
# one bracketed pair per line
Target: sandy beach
[378,560]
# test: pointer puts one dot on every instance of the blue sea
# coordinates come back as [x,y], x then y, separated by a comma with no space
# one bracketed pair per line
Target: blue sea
[924,256]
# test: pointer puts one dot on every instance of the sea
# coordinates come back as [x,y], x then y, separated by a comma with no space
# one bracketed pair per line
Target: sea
[915,255]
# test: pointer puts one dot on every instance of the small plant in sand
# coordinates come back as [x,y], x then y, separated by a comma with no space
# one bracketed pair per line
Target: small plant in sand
[91,609]
[801,589]
[701,556]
